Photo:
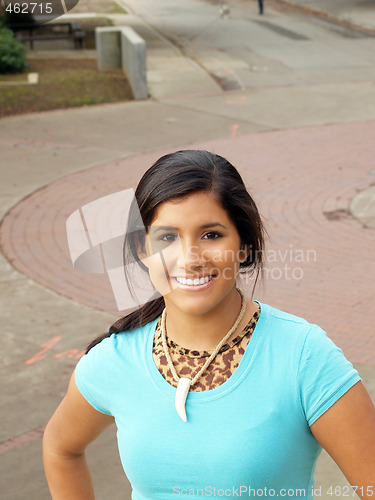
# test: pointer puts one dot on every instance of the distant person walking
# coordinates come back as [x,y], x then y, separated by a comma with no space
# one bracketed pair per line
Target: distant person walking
[260,4]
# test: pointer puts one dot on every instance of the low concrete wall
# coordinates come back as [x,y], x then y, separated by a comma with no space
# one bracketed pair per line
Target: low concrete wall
[133,53]
[108,48]
[120,47]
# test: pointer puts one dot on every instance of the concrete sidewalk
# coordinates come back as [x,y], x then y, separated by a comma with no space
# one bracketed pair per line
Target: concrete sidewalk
[355,13]
[301,135]
[169,72]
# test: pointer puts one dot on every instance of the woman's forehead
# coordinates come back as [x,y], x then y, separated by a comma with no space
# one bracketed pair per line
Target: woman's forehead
[196,207]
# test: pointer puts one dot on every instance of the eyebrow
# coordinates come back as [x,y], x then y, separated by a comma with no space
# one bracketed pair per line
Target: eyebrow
[203,226]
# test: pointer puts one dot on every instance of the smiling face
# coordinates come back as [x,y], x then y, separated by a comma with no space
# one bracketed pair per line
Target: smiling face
[193,253]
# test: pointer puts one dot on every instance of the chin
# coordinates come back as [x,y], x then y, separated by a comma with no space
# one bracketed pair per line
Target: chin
[195,304]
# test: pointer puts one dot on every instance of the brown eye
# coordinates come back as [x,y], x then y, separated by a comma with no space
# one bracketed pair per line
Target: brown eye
[213,235]
[168,237]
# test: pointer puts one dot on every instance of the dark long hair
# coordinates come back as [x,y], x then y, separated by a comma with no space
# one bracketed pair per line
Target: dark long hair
[178,175]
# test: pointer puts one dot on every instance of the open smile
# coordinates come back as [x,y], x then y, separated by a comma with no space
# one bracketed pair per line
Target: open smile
[193,284]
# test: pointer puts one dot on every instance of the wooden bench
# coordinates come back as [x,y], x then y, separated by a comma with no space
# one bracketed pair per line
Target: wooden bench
[52,31]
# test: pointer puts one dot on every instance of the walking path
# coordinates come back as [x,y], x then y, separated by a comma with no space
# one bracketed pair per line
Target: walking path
[355,13]
[305,151]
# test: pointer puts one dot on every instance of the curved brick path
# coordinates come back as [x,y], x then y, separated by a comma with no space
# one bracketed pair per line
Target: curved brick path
[303,181]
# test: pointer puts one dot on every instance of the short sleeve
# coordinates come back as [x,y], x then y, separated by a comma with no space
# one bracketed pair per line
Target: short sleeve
[324,374]
[92,375]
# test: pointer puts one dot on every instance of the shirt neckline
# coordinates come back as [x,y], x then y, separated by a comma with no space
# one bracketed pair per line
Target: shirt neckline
[194,353]
[242,369]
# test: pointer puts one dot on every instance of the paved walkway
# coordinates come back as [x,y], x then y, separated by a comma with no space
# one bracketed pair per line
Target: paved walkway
[355,13]
[305,151]
[308,221]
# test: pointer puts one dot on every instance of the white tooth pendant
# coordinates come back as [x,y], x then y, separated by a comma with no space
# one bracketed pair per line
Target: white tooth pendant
[184,383]
[181,395]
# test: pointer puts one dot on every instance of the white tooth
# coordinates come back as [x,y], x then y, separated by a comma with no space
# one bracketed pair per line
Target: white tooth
[194,282]
[181,395]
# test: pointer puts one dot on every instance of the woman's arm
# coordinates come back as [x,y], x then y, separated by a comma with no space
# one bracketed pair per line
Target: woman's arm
[73,426]
[347,432]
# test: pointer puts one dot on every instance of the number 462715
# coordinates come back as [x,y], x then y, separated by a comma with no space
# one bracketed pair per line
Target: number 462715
[29,8]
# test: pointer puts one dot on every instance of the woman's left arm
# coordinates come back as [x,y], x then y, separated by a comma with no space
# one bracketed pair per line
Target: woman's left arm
[347,432]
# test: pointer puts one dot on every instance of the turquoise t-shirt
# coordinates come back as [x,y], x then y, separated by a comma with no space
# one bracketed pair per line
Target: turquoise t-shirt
[248,437]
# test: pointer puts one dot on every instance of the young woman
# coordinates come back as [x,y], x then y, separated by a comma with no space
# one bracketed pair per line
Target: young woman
[213,394]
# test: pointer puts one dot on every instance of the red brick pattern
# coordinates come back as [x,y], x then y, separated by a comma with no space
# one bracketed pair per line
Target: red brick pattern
[303,181]
[17,441]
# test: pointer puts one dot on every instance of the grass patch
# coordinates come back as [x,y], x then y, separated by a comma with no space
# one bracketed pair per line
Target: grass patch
[9,77]
[116,9]
[63,83]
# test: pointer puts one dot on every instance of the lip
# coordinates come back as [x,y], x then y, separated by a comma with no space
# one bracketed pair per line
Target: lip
[194,288]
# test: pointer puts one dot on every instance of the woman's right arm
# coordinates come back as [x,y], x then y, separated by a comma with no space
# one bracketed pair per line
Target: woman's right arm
[73,426]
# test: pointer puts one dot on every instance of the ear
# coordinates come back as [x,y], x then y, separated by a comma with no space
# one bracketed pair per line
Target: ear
[244,252]
[140,246]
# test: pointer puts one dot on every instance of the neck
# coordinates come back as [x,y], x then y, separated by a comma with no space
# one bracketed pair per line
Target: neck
[204,332]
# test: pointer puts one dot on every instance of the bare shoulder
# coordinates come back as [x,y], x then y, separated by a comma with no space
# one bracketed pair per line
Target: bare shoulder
[347,432]
[75,423]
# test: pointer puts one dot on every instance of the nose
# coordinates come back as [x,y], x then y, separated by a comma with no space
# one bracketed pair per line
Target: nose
[190,257]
